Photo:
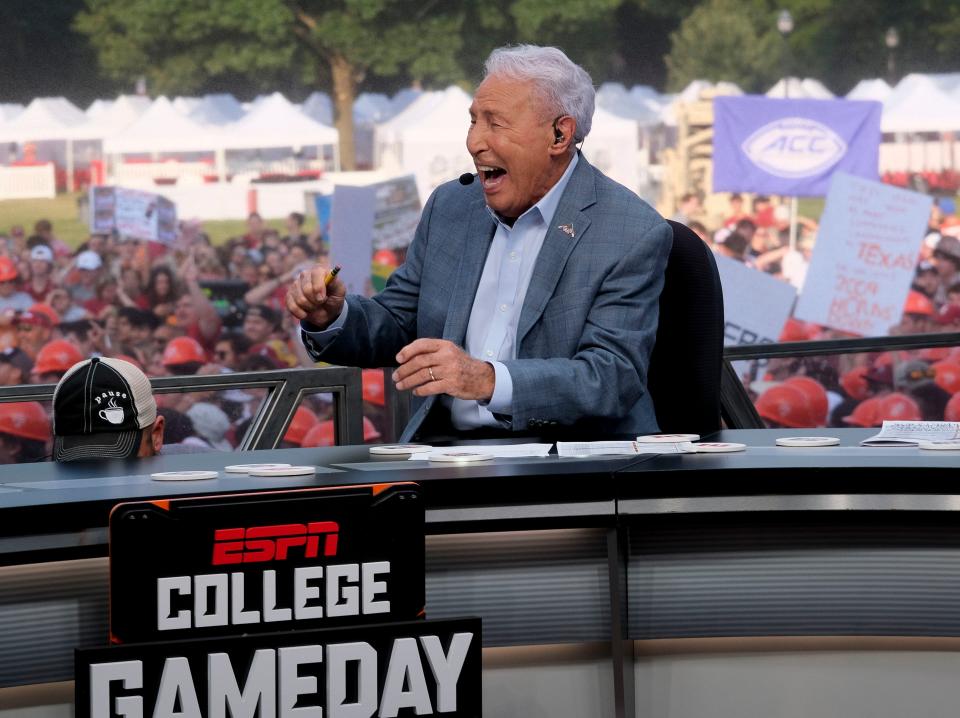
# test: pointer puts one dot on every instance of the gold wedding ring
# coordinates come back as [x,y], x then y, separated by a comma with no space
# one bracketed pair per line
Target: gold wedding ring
[432,377]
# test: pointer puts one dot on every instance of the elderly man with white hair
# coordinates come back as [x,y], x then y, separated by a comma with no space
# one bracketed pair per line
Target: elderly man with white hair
[528,300]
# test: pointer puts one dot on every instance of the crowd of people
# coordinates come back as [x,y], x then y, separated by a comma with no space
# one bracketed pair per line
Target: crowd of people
[852,389]
[186,309]
[152,305]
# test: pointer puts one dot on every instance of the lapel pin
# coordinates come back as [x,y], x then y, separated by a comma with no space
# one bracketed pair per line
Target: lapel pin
[567,229]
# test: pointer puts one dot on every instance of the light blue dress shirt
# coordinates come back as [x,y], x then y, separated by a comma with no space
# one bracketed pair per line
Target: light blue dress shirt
[495,315]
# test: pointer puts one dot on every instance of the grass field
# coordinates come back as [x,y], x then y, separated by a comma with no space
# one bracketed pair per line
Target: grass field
[62,212]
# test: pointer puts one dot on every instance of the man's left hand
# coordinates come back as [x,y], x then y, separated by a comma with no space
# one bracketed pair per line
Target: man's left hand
[437,366]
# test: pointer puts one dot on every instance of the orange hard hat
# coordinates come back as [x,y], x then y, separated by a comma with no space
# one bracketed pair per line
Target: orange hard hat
[854,383]
[934,354]
[319,435]
[373,386]
[56,356]
[25,419]
[183,350]
[303,420]
[386,258]
[370,432]
[917,303]
[948,376]
[786,405]
[898,407]
[865,413]
[816,395]
[47,310]
[8,270]
[795,331]
[952,410]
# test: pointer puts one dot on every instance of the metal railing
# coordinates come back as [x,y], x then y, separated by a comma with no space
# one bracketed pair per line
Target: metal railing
[285,388]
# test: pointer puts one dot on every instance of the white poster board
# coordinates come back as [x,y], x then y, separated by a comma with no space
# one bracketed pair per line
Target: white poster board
[132,213]
[367,218]
[755,305]
[865,257]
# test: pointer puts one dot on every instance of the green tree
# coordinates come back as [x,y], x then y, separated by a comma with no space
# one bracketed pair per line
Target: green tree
[181,45]
[732,40]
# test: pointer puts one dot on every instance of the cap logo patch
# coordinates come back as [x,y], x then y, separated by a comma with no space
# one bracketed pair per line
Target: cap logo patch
[111,412]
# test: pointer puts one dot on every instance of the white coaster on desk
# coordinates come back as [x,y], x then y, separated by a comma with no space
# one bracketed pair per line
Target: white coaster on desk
[459,456]
[183,475]
[714,447]
[398,449]
[945,445]
[808,441]
[285,471]
[667,438]
[247,468]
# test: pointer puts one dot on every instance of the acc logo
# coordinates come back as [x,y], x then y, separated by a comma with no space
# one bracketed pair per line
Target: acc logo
[794,147]
[273,543]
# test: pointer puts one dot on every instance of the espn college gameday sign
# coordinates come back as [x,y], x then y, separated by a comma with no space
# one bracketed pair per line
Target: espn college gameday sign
[236,574]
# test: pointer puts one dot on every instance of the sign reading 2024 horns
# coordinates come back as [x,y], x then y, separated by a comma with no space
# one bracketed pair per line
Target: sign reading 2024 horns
[268,561]
[422,668]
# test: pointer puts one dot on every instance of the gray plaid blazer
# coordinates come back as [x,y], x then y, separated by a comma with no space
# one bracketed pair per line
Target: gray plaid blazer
[587,325]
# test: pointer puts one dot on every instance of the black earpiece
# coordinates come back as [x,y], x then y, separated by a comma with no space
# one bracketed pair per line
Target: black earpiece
[557,134]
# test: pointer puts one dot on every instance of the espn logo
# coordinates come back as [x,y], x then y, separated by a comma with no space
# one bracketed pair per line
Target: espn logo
[273,543]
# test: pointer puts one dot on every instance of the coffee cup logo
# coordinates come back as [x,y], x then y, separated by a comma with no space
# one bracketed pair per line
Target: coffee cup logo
[112,413]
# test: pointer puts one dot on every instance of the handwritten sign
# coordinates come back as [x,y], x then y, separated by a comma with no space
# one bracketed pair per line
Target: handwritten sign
[755,305]
[368,218]
[865,256]
[132,213]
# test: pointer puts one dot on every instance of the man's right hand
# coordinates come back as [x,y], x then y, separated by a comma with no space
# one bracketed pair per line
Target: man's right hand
[308,298]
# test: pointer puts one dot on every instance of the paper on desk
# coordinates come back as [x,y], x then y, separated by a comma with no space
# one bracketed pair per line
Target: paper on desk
[615,448]
[499,451]
[911,433]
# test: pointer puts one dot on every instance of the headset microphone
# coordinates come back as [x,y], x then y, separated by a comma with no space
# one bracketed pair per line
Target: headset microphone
[467,178]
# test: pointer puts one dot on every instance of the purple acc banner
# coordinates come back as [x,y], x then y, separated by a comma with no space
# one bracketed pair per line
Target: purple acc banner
[792,147]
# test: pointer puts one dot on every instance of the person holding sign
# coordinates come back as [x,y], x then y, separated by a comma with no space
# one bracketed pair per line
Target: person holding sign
[528,300]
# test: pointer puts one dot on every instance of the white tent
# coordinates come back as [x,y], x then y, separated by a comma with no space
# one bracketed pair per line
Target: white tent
[404,98]
[46,118]
[428,139]
[949,82]
[919,104]
[613,147]
[372,107]
[185,105]
[220,109]
[796,89]
[114,116]
[877,90]
[423,105]
[317,106]
[97,108]
[275,122]
[161,129]
[9,110]
[638,106]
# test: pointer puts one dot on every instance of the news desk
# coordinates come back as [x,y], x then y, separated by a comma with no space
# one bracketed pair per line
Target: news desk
[586,572]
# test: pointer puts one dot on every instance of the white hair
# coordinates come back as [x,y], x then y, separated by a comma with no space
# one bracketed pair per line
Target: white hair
[564,87]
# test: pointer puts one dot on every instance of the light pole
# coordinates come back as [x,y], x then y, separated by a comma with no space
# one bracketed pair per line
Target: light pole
[891,39]
[785,27]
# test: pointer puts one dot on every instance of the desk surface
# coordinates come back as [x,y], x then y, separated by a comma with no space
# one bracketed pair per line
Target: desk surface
[78,496]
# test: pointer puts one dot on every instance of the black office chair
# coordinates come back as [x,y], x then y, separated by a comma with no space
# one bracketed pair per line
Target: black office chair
[687,361]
